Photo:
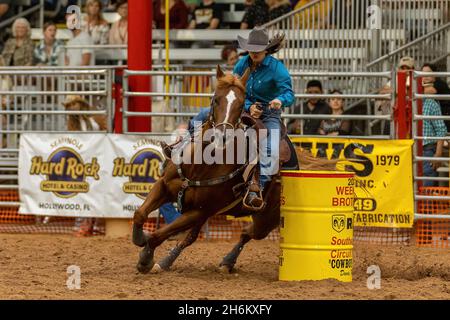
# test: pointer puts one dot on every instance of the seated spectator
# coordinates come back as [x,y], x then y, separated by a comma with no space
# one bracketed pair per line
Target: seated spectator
[94,24]
[432,148]
[433,85]
[207,15]
[6,12]
[312,106]
[277,8]
[178,14]
[192,4]
[79,57]
[336,127]
[229,56]
[256,14]
[18,50]
[119,29]
[314,16]
[47,52]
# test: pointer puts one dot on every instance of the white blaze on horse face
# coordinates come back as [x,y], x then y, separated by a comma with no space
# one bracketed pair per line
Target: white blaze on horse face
[231,96]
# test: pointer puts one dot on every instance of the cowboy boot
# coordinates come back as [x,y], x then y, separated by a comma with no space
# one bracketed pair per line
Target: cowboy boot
[253,199]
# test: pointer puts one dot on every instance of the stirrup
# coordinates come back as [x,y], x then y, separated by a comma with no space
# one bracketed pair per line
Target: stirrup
[250,207]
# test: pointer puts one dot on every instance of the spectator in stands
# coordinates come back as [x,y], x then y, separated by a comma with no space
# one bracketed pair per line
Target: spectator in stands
[256,14]
[47,52]
[5,10]
[335,127]
[312,106]
[277,8]
[229,56]
[94,24]
[18,50]
[207,15]
[79,57]
[432,148]
[438,86]
[178,14]
[315,16]
[119,29]
[84,226]
[192,4]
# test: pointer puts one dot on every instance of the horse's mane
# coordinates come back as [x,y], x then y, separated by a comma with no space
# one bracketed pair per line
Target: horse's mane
[229,80]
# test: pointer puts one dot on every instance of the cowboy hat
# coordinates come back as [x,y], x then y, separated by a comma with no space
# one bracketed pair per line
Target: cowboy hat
[71,99]
[258,40]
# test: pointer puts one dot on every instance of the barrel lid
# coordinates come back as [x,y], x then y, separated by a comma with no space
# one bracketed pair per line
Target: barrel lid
[317,174]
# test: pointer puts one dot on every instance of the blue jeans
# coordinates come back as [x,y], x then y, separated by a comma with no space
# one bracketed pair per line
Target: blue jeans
[428,171]
[270,152]
[169,212]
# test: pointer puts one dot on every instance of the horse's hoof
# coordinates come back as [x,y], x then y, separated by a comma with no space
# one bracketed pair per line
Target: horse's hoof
[224,269]
[157,269]
[144,268]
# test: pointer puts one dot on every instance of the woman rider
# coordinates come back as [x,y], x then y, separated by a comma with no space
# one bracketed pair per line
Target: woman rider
[269,85]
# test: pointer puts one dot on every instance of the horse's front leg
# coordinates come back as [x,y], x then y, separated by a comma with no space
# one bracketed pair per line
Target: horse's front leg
[186,221]
[156,198]
[165,263]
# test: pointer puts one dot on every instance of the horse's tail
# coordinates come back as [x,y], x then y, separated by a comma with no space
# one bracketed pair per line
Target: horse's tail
[308,162]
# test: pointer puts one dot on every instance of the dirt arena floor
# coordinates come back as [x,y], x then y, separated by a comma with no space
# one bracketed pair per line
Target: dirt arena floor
[35,267]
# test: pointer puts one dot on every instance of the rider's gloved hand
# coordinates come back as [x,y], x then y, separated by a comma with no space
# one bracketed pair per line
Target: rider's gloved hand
[255,111]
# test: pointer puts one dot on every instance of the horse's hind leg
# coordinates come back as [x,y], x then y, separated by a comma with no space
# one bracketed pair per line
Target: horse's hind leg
[167,261]
[154,200]
[230,259]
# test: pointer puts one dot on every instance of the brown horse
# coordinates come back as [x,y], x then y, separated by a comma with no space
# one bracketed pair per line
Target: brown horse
[207,189]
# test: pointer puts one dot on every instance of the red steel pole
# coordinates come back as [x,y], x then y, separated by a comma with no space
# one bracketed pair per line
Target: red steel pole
[400,107]
[139,58]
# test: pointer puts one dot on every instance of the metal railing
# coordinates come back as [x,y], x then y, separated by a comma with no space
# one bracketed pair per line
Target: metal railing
[418,157]
[32,99]
[180,103]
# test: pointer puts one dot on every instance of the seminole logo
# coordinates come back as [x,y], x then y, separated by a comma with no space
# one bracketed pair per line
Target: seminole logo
[142,171]
[65,172]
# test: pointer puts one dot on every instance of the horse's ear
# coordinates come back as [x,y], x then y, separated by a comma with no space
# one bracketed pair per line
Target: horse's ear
[245,76]
[219,72]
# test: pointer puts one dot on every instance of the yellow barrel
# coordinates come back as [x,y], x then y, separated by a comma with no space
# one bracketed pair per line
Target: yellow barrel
[316,227]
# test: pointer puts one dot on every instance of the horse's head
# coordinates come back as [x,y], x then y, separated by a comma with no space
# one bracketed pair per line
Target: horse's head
[228,102]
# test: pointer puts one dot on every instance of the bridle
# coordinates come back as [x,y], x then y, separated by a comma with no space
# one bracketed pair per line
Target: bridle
[226,124]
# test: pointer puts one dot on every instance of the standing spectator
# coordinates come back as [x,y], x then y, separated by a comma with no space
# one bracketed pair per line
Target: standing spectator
[178,14]
[19,49]
[438,86]
[277,8]
[94,24]
[119,30]
[336,127]
[312,106]
[47,52]
[79,57]
[432,148]
[207,15]
[229,56]
[256,14]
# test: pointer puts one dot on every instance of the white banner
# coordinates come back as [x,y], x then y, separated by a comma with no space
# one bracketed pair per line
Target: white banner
[86,175]
[135,167]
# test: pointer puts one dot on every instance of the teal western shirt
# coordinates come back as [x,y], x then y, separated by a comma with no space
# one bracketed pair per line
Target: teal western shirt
[270,80]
